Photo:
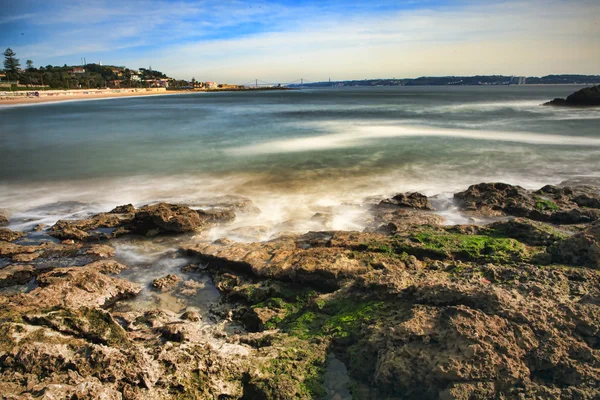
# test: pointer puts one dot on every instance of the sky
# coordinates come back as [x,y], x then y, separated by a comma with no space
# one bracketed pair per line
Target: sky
[282,41]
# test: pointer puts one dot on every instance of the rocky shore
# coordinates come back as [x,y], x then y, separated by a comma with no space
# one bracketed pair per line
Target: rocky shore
[410,308]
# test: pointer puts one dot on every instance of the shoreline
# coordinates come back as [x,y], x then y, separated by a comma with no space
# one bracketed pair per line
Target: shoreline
[62,96]
[226,305]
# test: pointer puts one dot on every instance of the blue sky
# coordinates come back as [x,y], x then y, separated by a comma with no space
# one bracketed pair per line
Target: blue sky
[237,41]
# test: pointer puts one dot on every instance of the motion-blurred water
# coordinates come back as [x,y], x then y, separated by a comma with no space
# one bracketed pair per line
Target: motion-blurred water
[293,153]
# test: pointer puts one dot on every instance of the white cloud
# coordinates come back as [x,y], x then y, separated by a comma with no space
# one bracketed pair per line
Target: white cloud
[522,38]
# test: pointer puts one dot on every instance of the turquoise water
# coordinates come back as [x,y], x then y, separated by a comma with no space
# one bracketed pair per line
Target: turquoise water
[301,149]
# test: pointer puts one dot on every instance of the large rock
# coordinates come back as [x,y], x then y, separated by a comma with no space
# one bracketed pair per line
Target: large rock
[410,200]
[550,203]
[8,236]
[585,97]
[150,220]
[168,218]
[323,259]
[75,287]
[88,229]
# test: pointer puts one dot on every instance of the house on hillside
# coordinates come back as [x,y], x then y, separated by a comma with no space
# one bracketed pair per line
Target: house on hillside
[77,70]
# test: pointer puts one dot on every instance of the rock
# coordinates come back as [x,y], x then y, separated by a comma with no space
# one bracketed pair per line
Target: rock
[323,218]
[586,97]
[3,218]
[526,231]
[311,258]
[388,221]
[217,215]
[100,251]
[191,316]
[168,218]
[75,287]
[250,233]
[16,275]
[124,209]
[166,282]
[87,229]
[25,257]
[580,249]
[410,200]
[549,204]
[8,235]
[39,227]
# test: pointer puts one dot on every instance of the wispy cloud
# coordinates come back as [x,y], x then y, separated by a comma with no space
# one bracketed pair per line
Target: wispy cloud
[236,41]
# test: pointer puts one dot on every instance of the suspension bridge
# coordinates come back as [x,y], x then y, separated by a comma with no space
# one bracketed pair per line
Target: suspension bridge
[261,83]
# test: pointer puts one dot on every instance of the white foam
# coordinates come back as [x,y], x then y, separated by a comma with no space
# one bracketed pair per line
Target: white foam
[361,135]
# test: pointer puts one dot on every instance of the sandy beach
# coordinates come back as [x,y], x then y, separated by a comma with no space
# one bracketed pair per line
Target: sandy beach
[65,95]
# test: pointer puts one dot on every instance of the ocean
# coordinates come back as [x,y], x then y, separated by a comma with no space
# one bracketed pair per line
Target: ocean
[292,153]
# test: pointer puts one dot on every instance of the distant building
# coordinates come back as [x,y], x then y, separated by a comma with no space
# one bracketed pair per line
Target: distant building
[228,86]
[77,70]
[136,78]
[210,85]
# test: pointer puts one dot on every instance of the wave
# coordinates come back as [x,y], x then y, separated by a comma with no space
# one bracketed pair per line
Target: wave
[357,135]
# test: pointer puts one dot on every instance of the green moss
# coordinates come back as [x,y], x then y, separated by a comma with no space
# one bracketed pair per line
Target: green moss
[296,372]
[444,244]
[543,204]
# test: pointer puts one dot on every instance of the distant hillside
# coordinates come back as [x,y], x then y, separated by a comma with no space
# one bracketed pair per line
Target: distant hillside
[465,80]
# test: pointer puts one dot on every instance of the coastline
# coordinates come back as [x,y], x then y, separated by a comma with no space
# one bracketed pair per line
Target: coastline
[66,95]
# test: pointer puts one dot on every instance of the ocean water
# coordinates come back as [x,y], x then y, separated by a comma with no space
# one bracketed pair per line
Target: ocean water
[293,153]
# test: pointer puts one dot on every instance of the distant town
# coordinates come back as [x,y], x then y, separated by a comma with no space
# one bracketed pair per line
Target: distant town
[467,80]
[94,76]
[99,76]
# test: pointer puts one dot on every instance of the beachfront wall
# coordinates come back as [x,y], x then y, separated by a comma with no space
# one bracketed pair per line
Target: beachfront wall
[47,93]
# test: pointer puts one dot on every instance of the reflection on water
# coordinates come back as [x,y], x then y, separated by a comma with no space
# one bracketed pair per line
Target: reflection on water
[152,259]
[336,380]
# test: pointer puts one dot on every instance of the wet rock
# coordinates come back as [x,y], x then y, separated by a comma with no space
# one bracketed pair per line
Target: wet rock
[124,209]
[16,275]
[322,218]
[39,227]
[100,251]
[87,229]
[191,316]
[251,233]
[390,221]
[324,259]
[550,203]
[410,200]
[217,215]
[3,218]
[166,282]
[168,218]
[173,332]
[75,287]
[8,235]
[26,257]
[586,97]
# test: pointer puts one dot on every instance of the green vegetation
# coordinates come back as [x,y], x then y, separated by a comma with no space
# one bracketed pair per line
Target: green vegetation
[11,64]
[469,247]
[543,204]
[88,76]
[443,244]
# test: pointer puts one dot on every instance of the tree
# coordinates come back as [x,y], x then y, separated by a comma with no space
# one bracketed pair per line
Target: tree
[29,65]
[11,64]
